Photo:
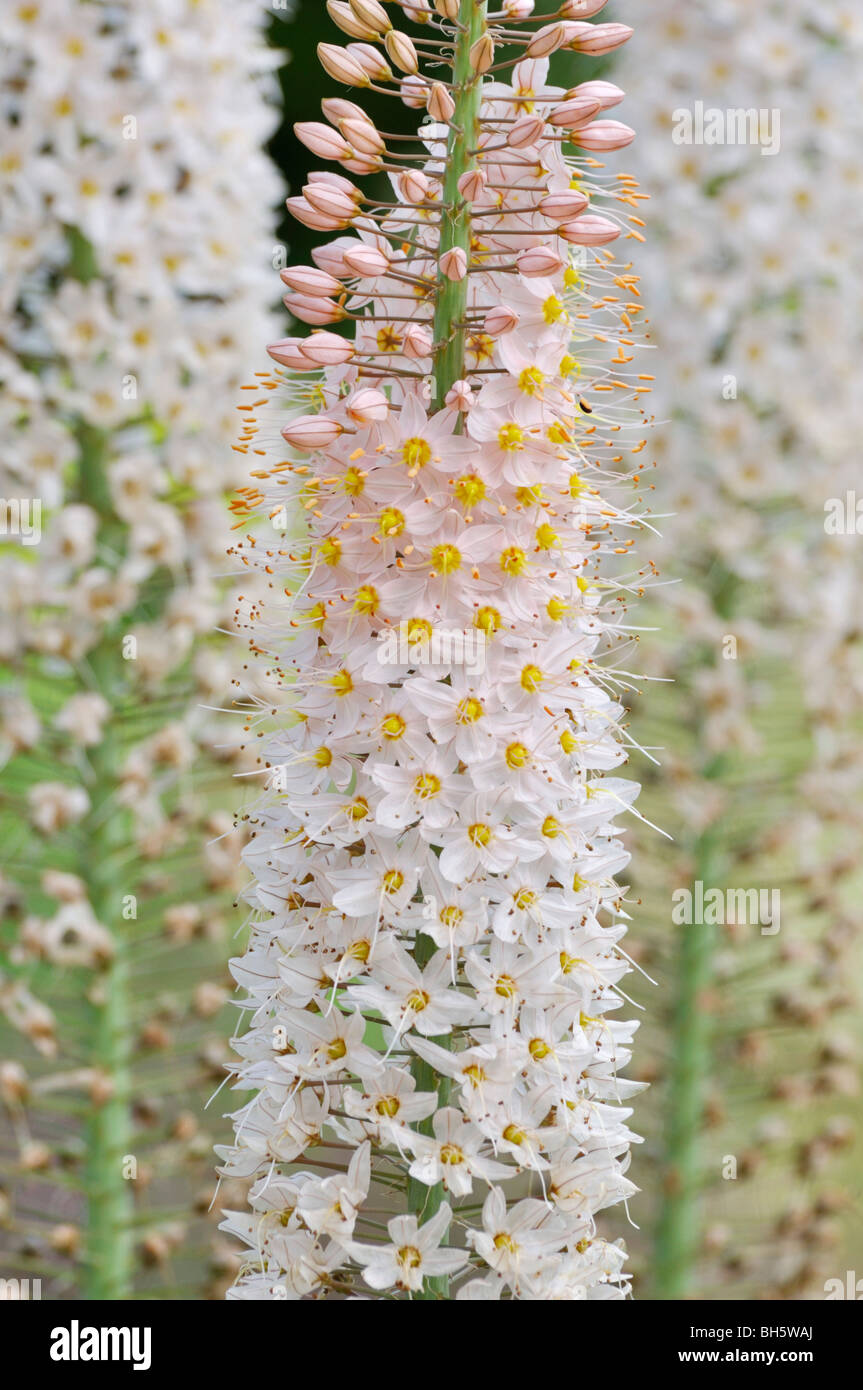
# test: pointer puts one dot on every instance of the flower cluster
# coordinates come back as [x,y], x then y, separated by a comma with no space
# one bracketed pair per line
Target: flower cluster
[435,956]
[137,252]
[757,243]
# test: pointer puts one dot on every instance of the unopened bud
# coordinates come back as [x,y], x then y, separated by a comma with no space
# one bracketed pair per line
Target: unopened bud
[413,186]
[559,207]
[604,135]
[339,64]
[605,93]
[328,349]
[589,230]
[371,13]
[367,406]
[440,104]
[546,40]
[322,140]
[309,432]
[472,184]
[499,320]
[526,130]
[343,15]
[598,38]
[366,261]
[482,53]
[308,279]
[453,263]
[581,9]
[402,51]
[538,260]
[370,61]
[575,112]
[417,341]
[460,396]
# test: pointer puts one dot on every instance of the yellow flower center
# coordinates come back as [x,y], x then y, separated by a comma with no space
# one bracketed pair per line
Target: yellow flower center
[530,381]
[513,560]
[469,490]
[468,710]
[389,1106]
[342,683]
[393,880]
[479,834]
[517,755]
[531,678]
[446,559]
[330,551]
[416,453]
[392,522]
[367,599]
[418,1001]
[393,726]
[426,785]
[488,620]
[510,436]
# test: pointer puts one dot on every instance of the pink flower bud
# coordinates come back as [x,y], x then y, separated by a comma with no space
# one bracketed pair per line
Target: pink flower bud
[598,38]
[447,9]
[338,109]
[339,64]
[369,12]
[414,92]
[518,9]
[332,202]
[367,406]
[370,62]
[413,186]
[605,92]
[499,320]
[328,349]
[590,230]
[440,104]
[322,140]
[289,351]
[417,341]
[366,261]
[331,256]
[342,15]
[575,112]
[526,130]
[315,309]
[538,260]
[453,263]
[482,53]
[307,279]
[471,184]
[581,9]
[460,396]
[310,432]
[362,136]
[312,217]
[547,40]
[402,51]
[604,135]
[564,206]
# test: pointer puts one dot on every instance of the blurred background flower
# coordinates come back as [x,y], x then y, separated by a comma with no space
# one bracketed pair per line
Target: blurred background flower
[136,218]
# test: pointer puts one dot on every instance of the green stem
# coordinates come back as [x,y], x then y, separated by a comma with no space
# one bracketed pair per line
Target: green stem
[449,367]
[456,226]
[677,1236]
[108,1262]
